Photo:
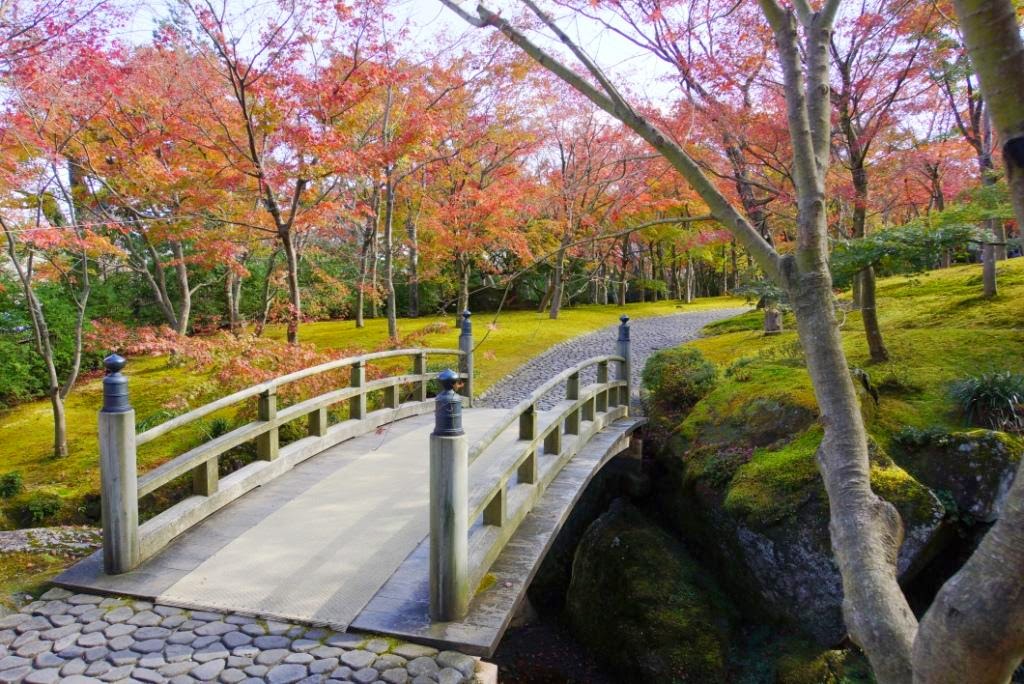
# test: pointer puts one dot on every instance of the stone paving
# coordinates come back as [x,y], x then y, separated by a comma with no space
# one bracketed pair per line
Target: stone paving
[647,335]
[65,637]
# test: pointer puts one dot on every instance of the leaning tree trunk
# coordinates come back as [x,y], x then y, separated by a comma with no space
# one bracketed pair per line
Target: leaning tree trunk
[992,36]
[865,531]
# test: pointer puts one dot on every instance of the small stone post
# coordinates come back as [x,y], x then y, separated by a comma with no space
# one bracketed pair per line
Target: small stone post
[118,475]
[625,367]
[466,360]
[449,506]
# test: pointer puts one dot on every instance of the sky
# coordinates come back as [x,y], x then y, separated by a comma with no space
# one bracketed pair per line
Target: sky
[430,24]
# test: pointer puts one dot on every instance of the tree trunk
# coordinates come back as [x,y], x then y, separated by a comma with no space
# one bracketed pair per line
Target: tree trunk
[869,314]
[464,268]
[265,299]
[389,267]
[294,294]
[60,426]
[988,269]
[185,303]
[232,303]
[689,280]
[557,292]
[411,232]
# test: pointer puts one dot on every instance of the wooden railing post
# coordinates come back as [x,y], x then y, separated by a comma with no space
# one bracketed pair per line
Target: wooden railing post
[602,378]
[449,507]
[205,477]
[420,368]
[118,472]
[553,441]
[466,360]
[527,473]
[266,410]
[357,404]
[626,366]
[572,392]
[391,397]
[318,422]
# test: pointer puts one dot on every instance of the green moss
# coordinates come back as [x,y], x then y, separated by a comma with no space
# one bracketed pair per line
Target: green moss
[775,483]
[640,601]
[913,500]
[27,573]
[805,663]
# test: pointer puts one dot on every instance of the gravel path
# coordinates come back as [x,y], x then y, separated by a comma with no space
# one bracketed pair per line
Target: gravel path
[647,335]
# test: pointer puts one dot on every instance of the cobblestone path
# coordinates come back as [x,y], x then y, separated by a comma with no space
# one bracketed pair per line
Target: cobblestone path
[646,334]
[65,637]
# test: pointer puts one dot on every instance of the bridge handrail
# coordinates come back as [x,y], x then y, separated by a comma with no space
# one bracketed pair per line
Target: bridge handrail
[479,499]
[268,385]
[126,542]
[462,552]
[513,413]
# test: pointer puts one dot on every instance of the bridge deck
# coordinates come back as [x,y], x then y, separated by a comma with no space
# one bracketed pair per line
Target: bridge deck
[341,540]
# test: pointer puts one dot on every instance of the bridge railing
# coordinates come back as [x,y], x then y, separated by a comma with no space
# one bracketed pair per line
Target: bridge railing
[513,478]
[126,543]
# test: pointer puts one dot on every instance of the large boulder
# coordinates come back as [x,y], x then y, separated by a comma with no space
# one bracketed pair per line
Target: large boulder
[975,468]
[761,514]
[639,600]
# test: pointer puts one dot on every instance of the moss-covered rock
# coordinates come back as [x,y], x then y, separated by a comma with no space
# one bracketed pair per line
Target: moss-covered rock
[803,663]
[641,602]
[762,515]
[975,467]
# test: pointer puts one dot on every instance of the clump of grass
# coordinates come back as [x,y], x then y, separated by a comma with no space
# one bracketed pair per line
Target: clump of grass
[11,484]
[992,400]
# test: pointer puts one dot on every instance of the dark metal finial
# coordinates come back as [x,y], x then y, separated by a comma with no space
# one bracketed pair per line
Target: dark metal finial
[624,328]
[115,385]
[448,406]
[467,325]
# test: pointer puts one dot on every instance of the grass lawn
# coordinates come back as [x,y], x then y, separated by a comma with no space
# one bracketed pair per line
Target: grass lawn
[26,431]
[938,329]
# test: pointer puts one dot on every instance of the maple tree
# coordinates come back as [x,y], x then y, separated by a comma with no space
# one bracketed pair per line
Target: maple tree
[43,188]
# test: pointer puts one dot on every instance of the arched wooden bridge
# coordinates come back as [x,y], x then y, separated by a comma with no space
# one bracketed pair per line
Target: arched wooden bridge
[391,512]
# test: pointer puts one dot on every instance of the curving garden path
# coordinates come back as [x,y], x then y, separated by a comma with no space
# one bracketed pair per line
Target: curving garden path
[647,335]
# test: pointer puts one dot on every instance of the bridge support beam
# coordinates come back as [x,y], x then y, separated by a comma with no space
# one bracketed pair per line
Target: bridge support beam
[118,472]
[449,507]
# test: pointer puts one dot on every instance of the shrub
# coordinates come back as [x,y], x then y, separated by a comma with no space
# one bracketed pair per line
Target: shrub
[679,377]
[216,427]
[35,509]
[11,484]
[992,400]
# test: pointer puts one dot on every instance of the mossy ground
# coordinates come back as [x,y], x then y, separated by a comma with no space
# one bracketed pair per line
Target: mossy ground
[26,431]
[27,573]
[937,328]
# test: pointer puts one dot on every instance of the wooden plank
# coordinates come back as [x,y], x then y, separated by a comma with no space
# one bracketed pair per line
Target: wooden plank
[160,530]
